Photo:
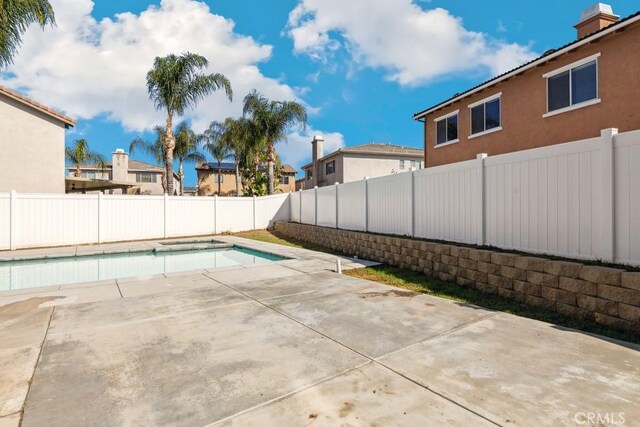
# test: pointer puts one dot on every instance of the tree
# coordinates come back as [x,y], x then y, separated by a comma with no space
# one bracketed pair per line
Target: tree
[175,85]
[15,17]
[216,143]
[273,119]
[155,149]
[186,150]
[80,154]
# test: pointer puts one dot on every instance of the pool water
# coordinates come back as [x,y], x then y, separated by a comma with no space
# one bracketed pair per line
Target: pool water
[80,269]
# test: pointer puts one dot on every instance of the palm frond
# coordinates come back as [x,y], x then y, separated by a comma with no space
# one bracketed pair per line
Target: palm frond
[15,18]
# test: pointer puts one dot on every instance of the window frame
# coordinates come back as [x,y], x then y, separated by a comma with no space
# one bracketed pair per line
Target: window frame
[333,167]
[570,67]
[445,117]
[401,164]
[218,178]
[484,102]
[285,180]
[309,174]
[151,175]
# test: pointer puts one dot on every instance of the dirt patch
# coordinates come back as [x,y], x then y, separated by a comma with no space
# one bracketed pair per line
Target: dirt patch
[346,409]
[391,293]
[21,307]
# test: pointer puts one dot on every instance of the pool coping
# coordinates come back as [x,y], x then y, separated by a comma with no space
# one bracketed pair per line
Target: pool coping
[287,253]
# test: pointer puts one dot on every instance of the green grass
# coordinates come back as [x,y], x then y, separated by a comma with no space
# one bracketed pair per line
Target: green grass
[418,282]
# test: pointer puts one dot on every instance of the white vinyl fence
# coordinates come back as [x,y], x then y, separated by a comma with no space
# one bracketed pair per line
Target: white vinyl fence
[40,220]
[579,200]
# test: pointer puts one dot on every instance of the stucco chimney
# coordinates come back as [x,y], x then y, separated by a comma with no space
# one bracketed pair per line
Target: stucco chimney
[120,165]
[317,147]
[595,18]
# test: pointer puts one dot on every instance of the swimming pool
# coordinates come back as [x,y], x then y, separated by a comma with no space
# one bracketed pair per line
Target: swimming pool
[79,269]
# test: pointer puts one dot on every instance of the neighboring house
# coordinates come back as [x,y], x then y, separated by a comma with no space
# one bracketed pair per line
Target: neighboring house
[569,93]
[31,131]
[208,178]
[354,163]
[145,178]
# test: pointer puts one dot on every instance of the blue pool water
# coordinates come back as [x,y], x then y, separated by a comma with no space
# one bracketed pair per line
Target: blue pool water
[80,269]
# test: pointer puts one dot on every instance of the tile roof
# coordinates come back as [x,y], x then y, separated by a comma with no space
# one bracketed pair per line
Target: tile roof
[231,167]
[549,54]
[68,121]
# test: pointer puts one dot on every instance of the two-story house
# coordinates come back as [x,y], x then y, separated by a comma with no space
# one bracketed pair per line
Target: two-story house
[142,178]
[28,131]
[567,94]
[354,163]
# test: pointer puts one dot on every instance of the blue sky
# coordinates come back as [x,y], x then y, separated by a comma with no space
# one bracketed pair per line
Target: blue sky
[362,67]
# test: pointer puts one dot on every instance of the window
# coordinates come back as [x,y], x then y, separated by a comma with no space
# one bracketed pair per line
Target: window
[330,167]
[218,179]
[309,174]
[447,129]
[145,177]
[415,164]
[573,85]
[401,166]
[285,180]
[89,174]
[485,115]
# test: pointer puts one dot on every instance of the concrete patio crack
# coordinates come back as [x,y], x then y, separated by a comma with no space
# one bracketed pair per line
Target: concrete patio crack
[35,367]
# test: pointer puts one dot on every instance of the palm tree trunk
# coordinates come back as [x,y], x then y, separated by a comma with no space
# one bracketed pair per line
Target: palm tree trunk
[78,173]
[237,178]
[270,163]
[219,177]
[169,145]
[181,174]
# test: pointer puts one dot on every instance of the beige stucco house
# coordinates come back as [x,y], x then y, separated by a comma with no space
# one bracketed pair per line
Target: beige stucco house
[144,178]
[354,163]
[208,178]
[28,131]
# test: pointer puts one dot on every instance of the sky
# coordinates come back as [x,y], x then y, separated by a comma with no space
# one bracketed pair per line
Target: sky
[361,67]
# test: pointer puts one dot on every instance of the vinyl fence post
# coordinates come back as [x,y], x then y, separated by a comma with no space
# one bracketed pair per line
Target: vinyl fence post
[366,204]
[254,212]
[413,203]
[13,220]
[480,190]
[215,214]
[300,204]
[315,195]
[100,217]
[337,201]
[166,209]
[607,192]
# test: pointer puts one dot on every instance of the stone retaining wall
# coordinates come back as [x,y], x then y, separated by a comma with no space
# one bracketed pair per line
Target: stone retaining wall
[607,295]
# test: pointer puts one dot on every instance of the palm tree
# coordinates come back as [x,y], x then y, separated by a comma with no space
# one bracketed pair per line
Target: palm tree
[80,154]
[216,143]
[155,149]
[175,85]
[273,119]
[186,149]
[15,17]
[239,136]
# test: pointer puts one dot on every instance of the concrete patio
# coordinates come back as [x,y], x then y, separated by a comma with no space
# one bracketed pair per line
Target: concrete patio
[293,343]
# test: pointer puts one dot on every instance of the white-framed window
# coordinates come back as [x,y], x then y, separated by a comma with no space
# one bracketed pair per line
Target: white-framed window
[416,164]
[309,174]
[486,115]
[89,174]
[145,177]
[401,165]
[285,180]
[572,86]
[218,178]
[447,128]
[330,167]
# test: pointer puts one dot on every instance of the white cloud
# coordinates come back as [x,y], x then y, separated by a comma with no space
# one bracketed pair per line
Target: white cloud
[89,68]
[412,44]
[298,146]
